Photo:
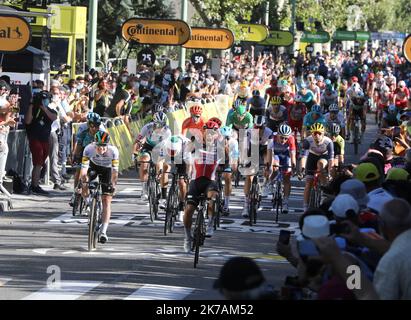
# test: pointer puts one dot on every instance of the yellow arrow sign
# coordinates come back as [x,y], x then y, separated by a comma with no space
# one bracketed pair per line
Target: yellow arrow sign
[15,33]
[254,32]
[155,31]
[210,38]
[406,48]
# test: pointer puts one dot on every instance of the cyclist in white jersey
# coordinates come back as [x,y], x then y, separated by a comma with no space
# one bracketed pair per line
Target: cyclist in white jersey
[101,158]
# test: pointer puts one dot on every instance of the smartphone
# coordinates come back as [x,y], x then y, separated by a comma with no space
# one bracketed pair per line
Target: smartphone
[284,237]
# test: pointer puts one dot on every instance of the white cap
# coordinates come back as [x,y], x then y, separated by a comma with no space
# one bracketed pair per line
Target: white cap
[316,226]
[342,204]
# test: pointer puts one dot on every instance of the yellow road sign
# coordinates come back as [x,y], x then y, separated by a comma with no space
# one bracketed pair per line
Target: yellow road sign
[254,32]
[156,31]
[15,33]
[406,48]
[279,38]
[210,38]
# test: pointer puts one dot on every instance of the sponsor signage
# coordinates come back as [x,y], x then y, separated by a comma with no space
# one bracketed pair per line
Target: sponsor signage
[210,38]
[254,32]
[315,37]
[279,38]
[15,34]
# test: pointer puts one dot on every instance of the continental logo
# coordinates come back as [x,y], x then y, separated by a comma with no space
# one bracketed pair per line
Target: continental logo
[161,32]
[15,34]
[210,38]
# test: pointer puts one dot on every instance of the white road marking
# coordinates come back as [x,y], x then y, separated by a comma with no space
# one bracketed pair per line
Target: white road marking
[160,292]
[3,281]
[42,251]
[67,218]
[69,290]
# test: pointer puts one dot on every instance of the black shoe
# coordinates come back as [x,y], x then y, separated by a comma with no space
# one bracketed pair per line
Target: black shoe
[59,187]
[66,177]
[39,190]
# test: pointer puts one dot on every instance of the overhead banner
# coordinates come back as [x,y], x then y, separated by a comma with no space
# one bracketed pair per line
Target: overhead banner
[387,35]
[254,32]
[315,37]
[156,31]
[406,48]
[15,33]
[342,35]
[362,36]
[278,38]
[210,38]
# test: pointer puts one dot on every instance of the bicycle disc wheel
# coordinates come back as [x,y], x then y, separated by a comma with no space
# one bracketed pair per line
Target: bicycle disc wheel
[92,225]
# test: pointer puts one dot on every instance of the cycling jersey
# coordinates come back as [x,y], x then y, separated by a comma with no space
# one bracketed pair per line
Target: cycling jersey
[326,147]
[339,119]
[339,146]
[279,115]
[205,163]
[379,83]
[256,106]
[282,149]
[307,97]
[328,98]
[154,135]
[296,112]
[110,159]
[189,123]
[234,122]
[357,103]
[384,100]
[309,121]
[83,136]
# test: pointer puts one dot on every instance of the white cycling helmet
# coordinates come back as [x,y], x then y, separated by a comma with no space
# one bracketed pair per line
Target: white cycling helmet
[333,108]
[284,130]
[160,118]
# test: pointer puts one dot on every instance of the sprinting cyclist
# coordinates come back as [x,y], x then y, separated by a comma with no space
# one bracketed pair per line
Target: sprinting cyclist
[85,136]
[307,96]
[318,155]
[178,153]
[312,117]
[205,163]
[256,104]
[276,113]
[230,165]
[390,117]
[385,98]
[193,125]
[101,158]
[401,96]
[334,130]
[357,107]
[296,114]
[335,116]
[329,96]
[240,119]
[282,152]
[150,136]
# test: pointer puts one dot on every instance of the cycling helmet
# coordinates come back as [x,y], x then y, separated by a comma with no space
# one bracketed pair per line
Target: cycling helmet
[284,130]
[317,127]
[383,142]
[241,110]
[335,129]
[259,121]
[354,79]
[102,138]
[226,131]
[327,82]
[94,118]
[320,78]
[371,76]
[211,125]
[196,110]
[385,89]
[174,145]
[276,100]
[158,107]
[365,67]
[356,86]
[237,103]
[316,108]
[256,93]
[160,119]
[216,120]
[392,108]
[333,108]
[401,84]
[380,73]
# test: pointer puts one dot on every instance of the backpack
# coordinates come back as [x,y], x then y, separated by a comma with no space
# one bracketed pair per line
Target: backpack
[19,186]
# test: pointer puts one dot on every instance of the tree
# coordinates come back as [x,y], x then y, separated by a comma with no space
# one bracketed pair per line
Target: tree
[228,13]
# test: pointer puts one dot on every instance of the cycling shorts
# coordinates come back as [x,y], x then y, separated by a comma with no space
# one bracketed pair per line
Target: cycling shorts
[283,160]
[106,185]
[360,114]
[198,187]
[146,149]
[311,165]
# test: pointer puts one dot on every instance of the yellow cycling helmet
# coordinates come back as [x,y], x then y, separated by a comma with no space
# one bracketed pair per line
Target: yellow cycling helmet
[276,100]
[244,83]
[317,127]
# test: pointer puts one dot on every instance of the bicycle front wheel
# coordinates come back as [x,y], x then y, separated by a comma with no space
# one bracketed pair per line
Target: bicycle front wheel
[198,235]
[170,209]
[92,225]
[279,200]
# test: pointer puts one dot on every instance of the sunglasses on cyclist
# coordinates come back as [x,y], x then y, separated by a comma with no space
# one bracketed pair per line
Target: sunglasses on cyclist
[319,133]
[101,145]
[283,138]
[92,125]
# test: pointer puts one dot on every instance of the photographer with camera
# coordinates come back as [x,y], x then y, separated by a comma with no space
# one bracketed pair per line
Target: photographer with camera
[38,119]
